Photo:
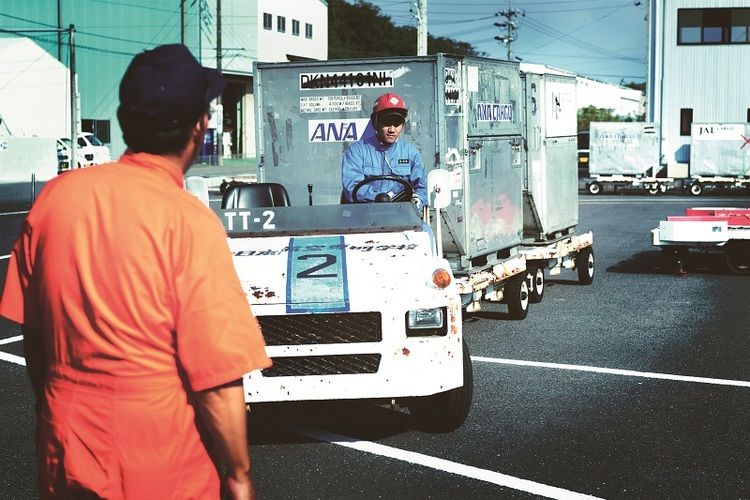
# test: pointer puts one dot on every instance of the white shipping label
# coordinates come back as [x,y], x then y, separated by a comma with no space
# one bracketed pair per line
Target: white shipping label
[330,103]
[718,131]
[346,80]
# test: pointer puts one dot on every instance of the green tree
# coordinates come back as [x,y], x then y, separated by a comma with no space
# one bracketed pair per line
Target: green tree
[593,114]
[360,30]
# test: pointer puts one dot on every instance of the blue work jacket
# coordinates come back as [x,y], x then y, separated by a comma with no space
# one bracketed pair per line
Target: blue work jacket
[368,157]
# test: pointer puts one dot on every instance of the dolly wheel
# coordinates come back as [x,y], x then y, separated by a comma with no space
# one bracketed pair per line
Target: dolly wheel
[535,278]
[585,265]
[737,257]
[516,295]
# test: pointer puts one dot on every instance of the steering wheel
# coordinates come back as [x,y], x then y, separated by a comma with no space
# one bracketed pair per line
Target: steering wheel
[404,195]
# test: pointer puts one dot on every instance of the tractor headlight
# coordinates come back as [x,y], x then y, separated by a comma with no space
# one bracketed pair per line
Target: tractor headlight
[441,278]
[426,322]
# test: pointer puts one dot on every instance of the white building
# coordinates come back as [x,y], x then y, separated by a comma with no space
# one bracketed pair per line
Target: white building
[699,68]
[623,101]
[34,91]
[109,34]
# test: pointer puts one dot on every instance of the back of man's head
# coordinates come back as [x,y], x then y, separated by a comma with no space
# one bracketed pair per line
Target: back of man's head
[163,93]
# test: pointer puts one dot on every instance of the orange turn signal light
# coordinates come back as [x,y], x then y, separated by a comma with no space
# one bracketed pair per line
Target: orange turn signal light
[441,278]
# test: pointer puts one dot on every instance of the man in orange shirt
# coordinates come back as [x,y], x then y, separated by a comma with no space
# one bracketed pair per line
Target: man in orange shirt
[136,329]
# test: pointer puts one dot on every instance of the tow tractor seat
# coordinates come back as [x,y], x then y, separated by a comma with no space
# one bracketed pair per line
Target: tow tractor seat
[263,194]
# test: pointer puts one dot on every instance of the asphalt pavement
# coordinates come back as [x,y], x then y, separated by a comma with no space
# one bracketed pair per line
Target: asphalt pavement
[635,386]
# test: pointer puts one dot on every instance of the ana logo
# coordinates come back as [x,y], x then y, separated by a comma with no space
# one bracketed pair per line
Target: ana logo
[336,130]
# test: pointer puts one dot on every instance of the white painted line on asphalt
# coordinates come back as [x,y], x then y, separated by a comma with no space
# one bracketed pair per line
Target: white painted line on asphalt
[3,257]
[444,465]
[19,360]
[614,371]
[14,213]
[10,340]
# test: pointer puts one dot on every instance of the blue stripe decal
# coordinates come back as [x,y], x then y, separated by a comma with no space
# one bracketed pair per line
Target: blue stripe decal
[316,279]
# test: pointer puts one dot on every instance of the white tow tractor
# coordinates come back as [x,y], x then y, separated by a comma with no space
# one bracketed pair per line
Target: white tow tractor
[355,302]
[721,230]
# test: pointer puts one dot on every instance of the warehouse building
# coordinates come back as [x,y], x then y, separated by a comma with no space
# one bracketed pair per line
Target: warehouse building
[699,66]
[228,34]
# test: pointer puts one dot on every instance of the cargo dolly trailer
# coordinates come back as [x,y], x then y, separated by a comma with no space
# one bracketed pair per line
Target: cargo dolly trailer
[550,195]
[720,230]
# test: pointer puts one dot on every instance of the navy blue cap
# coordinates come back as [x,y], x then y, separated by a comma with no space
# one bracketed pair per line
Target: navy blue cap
[168,86]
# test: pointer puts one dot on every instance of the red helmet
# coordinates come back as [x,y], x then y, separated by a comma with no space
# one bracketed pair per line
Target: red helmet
[390,102]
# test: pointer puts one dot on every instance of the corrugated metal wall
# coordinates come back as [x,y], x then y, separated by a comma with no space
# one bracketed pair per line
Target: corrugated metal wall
[710,79]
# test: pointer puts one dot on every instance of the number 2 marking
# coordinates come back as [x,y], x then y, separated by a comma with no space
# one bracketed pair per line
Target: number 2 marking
[310,272]
[269,217]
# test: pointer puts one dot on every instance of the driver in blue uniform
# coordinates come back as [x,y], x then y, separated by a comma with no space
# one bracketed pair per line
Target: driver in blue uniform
[384,154]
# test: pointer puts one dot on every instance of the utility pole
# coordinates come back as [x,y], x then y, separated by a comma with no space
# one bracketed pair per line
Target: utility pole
[220,119]
[510,25]
[421,16]
[73,98]
[59,30]
[182,22]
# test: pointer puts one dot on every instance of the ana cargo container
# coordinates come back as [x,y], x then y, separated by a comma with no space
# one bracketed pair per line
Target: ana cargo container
[719,156]
[551,181]
[625,154]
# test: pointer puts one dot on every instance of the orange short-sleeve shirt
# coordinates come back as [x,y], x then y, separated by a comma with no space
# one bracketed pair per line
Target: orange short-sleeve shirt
[130,277]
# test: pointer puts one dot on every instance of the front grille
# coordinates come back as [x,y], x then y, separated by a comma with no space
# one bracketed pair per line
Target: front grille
[338,328]
[323,365]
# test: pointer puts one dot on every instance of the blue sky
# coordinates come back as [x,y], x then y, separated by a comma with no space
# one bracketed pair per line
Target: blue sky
[601,39]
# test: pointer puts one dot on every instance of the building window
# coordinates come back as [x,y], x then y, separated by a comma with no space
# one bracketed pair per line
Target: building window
[686,120]
[308,30]
[267,21]
[280,24]
[713,26]
[295,27]
[99,128]
[748,115]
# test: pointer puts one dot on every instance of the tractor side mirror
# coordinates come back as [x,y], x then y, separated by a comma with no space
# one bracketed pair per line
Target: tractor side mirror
[438,188]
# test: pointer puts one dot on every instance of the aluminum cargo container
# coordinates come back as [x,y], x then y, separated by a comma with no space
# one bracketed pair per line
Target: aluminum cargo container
[551,173]
[464,116]
[625,148]
[720,149]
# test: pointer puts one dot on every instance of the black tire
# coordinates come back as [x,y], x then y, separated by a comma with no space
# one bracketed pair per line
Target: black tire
[445,411]
[594,188]
[536,284]
[585,265]
[696,189]
[737,257]
[654,190]
[516,296]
